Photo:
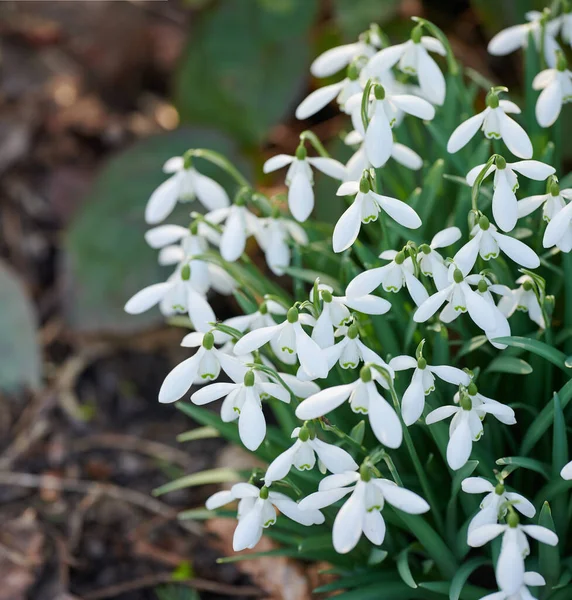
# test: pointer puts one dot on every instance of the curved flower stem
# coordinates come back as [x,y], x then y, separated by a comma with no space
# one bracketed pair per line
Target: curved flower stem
[365,103]
[434,30]
[311,137]
[479,180]
[220,161]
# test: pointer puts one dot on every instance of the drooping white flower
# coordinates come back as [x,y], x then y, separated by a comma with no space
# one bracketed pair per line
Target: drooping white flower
[185,184]
[514,548]
[364,398]
[559,230]
[289,341]
[412,57]
[259,318]
[302,455]
[556,86]
[378,139]
[496,124]
[552,202]
[423,383]
[273,236]
[365,208]
[361,513]
[512,38]
[494,505]
[531,578]
[459,298]
[392,277]
[505,184]
[239,225]
[431,262]
[488,242]
[257,511]
[566,27]
[499,327]
[341,91]
[243,401]
[566,472]
[336,313]
[524,299]
[466,426]
[358,162]
[335,59]
[202,367]
[300,178]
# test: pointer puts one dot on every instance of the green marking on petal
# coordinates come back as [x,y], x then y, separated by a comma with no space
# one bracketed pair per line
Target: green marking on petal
[490,255]
[286,349]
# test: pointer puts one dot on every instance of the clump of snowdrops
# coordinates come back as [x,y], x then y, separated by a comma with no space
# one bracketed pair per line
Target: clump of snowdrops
[409,387]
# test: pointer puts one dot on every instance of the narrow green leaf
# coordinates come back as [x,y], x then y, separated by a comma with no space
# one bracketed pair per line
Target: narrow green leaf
[526,463]
[548,556]
[358,432]
[222,475]
[509,364]
[539,348]
[310,276]
[200,433]
[461,576]
[559,441]
[404,569]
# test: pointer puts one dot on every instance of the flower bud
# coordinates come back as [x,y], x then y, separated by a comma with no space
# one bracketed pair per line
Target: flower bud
[527,286]
[364,186]
[263,308]
[482,287]
[208,341]
[561,64]
[364,472]
[499,489]
[292,315]
[326,296]
[422,364]
[458,276]
[466,403]
[352,73]
[554,189]
[472,389]
[304,434]
[425,248]
[194,228]
[399,258]
[263,494]
[492,99]
[512,519]
[186,272]
[379,92]
[484,223]
[417,33]
[500,162]
[301,152]
[353,331]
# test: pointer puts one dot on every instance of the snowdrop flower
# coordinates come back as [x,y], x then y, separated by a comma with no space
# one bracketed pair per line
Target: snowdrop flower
[321,97]
[556,86]
[288,341]
[259,318]
[559,230]
[503,413]
[413,58]
[378,141]
[495,504]
[335,59]
[300,179]
[358,162]
[514,548]
[552,202]
[392,277]
[566,24]
[335,312]
[431,262]
[510,39]
[257,511]
[273,237]
[524,299]
[365,209]
[496,124]
[460,298]
[531,578]
[566,472]
[176,295]
[202,367]
[363,398]
[351,350]
[239,224]
[499,327]
[466,426]
[423,383]
[302,455]
[243,402]
[361,513]
[488,242]
[185,184]
[505,205]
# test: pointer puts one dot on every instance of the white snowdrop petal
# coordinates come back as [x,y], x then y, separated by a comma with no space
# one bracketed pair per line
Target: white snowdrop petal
[233,240]
[335,459]
[441,413]
[317,100]
[322,499]
[200,311]
[365,282]
[162,200]
[385,59]
[406,157]
[431,79]
[505,206]
[549,104]
[446,237]
[292,510]
[465,132]
[164,235]
[310,355]
[460,445]
[249,529]
[180,379]
[338,480]
[401,498]
[431,306]
[508,40]
[533,169]
[329,166]
[301,196]
[522,504]
[510,568]
[348,524]
[542,79]
[399,211]
[528,205]
[514,136]
[433,45]
[518,251]
[212,392]
[301,389]
[251,422]
[415,288]
[476,485]
[542,534]
[378,139]
[557,227]
[219,499]
[324,401]
[450,374]
[413,105]
[413,400]
[509,107]
[255,339]
[369,304]
[481,536]
[146,298]
[566,472]
[333,60]
[478,308]
[384,422]
[348,188]
[347,228]
[210,193]
[174,164]
[534,579]
[277,162]
[374,527]
[281,465]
